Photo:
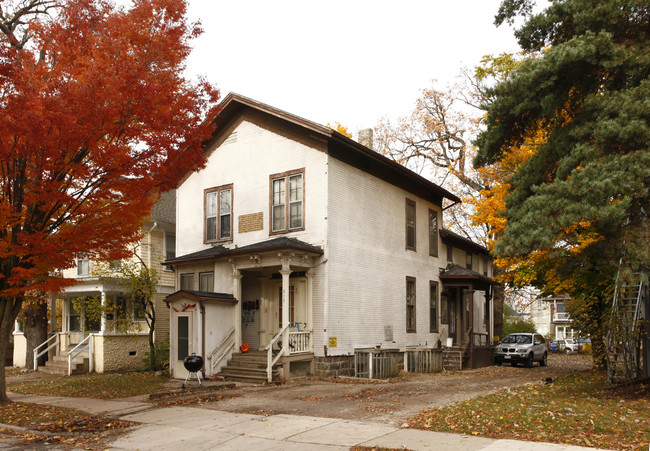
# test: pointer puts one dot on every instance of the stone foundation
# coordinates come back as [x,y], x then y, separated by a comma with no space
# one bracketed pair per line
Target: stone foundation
[334,366]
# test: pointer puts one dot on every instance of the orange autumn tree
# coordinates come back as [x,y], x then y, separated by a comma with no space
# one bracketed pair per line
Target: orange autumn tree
[97,120]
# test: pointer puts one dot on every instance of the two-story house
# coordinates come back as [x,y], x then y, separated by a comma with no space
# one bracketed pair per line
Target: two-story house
[112,347]
[551,318]
[308,247]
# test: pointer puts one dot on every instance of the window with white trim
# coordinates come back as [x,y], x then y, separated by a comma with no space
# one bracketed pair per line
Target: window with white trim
[287,197]
[83,265]
[218,213]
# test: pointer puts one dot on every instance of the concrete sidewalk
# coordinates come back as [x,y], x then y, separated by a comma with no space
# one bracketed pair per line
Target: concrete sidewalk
[173,428]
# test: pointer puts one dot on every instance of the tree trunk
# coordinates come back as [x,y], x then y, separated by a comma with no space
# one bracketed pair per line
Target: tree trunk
[599,352]
[35,330]
[9,308]
[153,362]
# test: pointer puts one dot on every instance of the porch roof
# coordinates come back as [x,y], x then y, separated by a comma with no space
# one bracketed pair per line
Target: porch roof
[455,239]
[455,272]
[204,296]
[275,244]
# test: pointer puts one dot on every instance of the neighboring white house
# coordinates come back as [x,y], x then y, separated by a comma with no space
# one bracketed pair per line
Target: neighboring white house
[295,234]
[113,350]
[551,319]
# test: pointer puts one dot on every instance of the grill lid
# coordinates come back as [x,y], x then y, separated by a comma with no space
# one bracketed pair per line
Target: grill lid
[193,363]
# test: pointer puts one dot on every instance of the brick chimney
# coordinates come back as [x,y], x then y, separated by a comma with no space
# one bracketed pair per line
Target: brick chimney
[365,137]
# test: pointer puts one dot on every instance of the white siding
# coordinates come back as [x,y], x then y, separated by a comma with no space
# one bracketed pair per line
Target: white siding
[247,163]
[368,263]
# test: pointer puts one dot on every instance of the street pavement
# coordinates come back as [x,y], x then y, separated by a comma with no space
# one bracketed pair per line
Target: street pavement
[193,428]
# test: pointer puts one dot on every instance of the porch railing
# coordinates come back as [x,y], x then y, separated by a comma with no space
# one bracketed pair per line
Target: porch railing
[560,317]
[38,353]
[221,350]
[74,352]
[300,342]
[270,360]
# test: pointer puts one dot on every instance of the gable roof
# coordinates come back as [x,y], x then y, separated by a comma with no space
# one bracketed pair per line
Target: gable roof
[337,146]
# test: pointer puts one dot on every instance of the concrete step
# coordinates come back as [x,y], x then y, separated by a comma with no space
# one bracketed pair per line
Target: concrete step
[59,365]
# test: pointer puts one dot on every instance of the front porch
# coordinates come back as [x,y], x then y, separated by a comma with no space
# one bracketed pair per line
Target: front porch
[261,305]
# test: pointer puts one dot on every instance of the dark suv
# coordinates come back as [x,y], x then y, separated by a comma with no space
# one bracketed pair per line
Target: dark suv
[522,348]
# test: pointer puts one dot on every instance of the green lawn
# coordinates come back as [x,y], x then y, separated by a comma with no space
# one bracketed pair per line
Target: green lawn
[102,386]
[575,410]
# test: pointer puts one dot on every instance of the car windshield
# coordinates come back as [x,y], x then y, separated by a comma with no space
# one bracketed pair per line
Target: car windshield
[520,339]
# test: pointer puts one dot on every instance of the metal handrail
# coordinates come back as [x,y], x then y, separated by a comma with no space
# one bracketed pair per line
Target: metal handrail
[74,352]
[37,354]
[211,355]
[270,361]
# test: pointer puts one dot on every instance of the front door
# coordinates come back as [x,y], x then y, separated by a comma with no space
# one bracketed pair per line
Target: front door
[183,343]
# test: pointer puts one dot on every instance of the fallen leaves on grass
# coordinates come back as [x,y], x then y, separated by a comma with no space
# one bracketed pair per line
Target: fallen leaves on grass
[575,410]
[102,386]
[190,401]
[59,425]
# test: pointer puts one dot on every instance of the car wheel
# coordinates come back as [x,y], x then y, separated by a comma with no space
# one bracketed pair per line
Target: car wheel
[513,363]
[529,361]
[543,361]
[567,351]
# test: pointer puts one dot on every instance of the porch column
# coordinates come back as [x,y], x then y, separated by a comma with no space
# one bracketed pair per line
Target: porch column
[54,326]
[264,308]
[65,315]
[285,272]
[102,327]
[236,292]
[310,280]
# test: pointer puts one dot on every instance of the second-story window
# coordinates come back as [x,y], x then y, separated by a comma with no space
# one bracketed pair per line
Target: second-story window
[410,224]
[433,233]
[287,192]
[468,260]
[83,265]
[218,213]
[170,246]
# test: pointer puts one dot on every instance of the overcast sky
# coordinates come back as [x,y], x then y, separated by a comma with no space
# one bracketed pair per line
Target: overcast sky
[350,61]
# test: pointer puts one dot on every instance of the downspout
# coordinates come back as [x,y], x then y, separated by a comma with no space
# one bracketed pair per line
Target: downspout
[202,311]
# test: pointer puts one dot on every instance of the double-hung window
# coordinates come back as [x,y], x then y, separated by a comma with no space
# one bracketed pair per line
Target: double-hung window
[410,305]
[187,281]
[206,282]
[433,233]
[433,307]
[287,201]
[218,213]
[83,265]
[410,225]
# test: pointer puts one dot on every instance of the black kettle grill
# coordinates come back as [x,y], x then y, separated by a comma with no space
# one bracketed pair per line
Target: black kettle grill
[193,364]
